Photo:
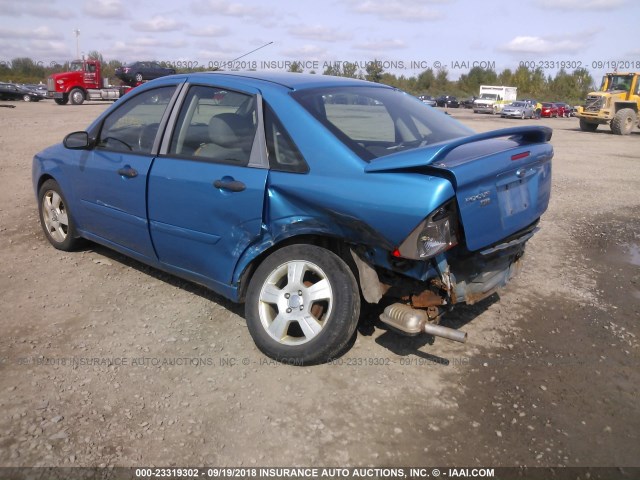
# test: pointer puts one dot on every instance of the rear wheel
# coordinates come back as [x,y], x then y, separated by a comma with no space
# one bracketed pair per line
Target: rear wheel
[55,218]
[587,126]
[76,96]
[623,122]
[302,305]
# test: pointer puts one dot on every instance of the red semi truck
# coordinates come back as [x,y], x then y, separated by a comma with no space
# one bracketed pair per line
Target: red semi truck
[82,82]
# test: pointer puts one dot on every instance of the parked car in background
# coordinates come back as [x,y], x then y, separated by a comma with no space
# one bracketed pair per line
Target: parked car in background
[518,110]
[428,100]
[447,101]
[40,88]
[11,91]
[468,102]
[140,71]
[266,198]
[564,109]
[549,110]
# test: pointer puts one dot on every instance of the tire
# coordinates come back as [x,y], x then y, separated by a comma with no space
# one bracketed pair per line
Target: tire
[522,116]
[76,96]
[624,121]
[26,98]
[62,101]
[55,218]
[285,321]
[138,77]
[587,126]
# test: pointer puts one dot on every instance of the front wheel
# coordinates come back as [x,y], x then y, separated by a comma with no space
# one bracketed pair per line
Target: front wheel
[26,98]
[302,305]
[55,219]
[587,126]
[62,101]
[76,96]
[138,77]
[623,122]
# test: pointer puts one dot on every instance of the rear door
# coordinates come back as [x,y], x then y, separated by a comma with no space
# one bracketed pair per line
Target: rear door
[206,189]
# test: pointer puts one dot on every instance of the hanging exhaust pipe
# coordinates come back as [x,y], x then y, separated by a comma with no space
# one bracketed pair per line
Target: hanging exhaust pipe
[411,321]
[445,332]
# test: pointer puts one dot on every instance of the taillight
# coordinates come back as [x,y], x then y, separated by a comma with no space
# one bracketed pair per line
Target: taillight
[434,235]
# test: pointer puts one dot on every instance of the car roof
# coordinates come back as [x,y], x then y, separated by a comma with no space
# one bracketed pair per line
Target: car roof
[293,81]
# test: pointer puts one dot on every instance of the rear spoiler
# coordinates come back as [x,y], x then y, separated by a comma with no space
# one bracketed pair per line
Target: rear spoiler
[437,151]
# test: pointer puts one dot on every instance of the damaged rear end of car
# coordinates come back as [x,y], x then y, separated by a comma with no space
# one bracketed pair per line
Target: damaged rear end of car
[473,244]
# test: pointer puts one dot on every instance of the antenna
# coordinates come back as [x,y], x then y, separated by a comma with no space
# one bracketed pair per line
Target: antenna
[255,50]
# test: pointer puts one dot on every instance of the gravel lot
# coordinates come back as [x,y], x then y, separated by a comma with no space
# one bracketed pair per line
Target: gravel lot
[164,372]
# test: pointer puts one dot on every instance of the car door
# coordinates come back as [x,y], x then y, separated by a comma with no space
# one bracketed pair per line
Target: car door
[111,180]
[207,187]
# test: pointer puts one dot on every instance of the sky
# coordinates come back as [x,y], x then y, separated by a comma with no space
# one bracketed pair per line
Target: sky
[407,36]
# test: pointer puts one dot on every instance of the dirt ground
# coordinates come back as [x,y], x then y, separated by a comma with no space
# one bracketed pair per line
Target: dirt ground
[104,361]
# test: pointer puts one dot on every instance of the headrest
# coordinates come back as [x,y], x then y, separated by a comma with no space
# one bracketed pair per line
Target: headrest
[230,130]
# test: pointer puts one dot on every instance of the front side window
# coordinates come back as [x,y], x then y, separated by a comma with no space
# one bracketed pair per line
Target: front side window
[215,125]
[133,127]
[375,121]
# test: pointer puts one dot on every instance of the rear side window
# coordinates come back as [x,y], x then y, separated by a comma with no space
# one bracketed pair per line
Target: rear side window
[283,154]
[215,125]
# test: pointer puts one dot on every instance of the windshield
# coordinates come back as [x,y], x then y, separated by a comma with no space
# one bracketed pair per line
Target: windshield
[617,82]
[76,67]
[374,121]
[488,96]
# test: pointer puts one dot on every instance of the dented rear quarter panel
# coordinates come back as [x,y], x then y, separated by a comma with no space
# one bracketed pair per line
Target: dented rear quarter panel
[336,197]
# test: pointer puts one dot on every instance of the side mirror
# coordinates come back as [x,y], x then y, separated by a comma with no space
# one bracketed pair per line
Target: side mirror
[77,141]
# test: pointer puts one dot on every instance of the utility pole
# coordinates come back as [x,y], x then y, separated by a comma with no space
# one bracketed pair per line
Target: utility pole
[77,32]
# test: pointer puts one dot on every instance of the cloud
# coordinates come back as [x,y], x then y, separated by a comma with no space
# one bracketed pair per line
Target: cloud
[158,24]
[380,45]
[40,33]
[226,8]
[543,45]
[398,10]
[211,31]
[306,52]
[318,33]
[143,48]
[34,8]
[580,5]
[46,49]
[156,43]
[113,9]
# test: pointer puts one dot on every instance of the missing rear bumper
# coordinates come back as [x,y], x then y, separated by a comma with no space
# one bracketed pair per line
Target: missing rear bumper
[410,321]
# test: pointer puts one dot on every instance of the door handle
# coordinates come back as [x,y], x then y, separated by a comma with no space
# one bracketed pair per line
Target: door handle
[231,185]
[128,171]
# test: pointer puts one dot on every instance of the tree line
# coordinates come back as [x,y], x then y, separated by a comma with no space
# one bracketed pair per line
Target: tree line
[564,86]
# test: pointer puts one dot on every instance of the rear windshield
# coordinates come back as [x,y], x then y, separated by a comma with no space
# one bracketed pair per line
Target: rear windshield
[375,121]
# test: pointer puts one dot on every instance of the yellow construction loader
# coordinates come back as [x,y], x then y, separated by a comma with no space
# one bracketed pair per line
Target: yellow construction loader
[616,103]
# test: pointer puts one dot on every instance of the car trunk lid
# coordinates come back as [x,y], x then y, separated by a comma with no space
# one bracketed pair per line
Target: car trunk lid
[502,178]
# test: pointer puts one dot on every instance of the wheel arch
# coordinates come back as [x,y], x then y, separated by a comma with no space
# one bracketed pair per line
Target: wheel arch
[43,178]
[622,105]
[334,244]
